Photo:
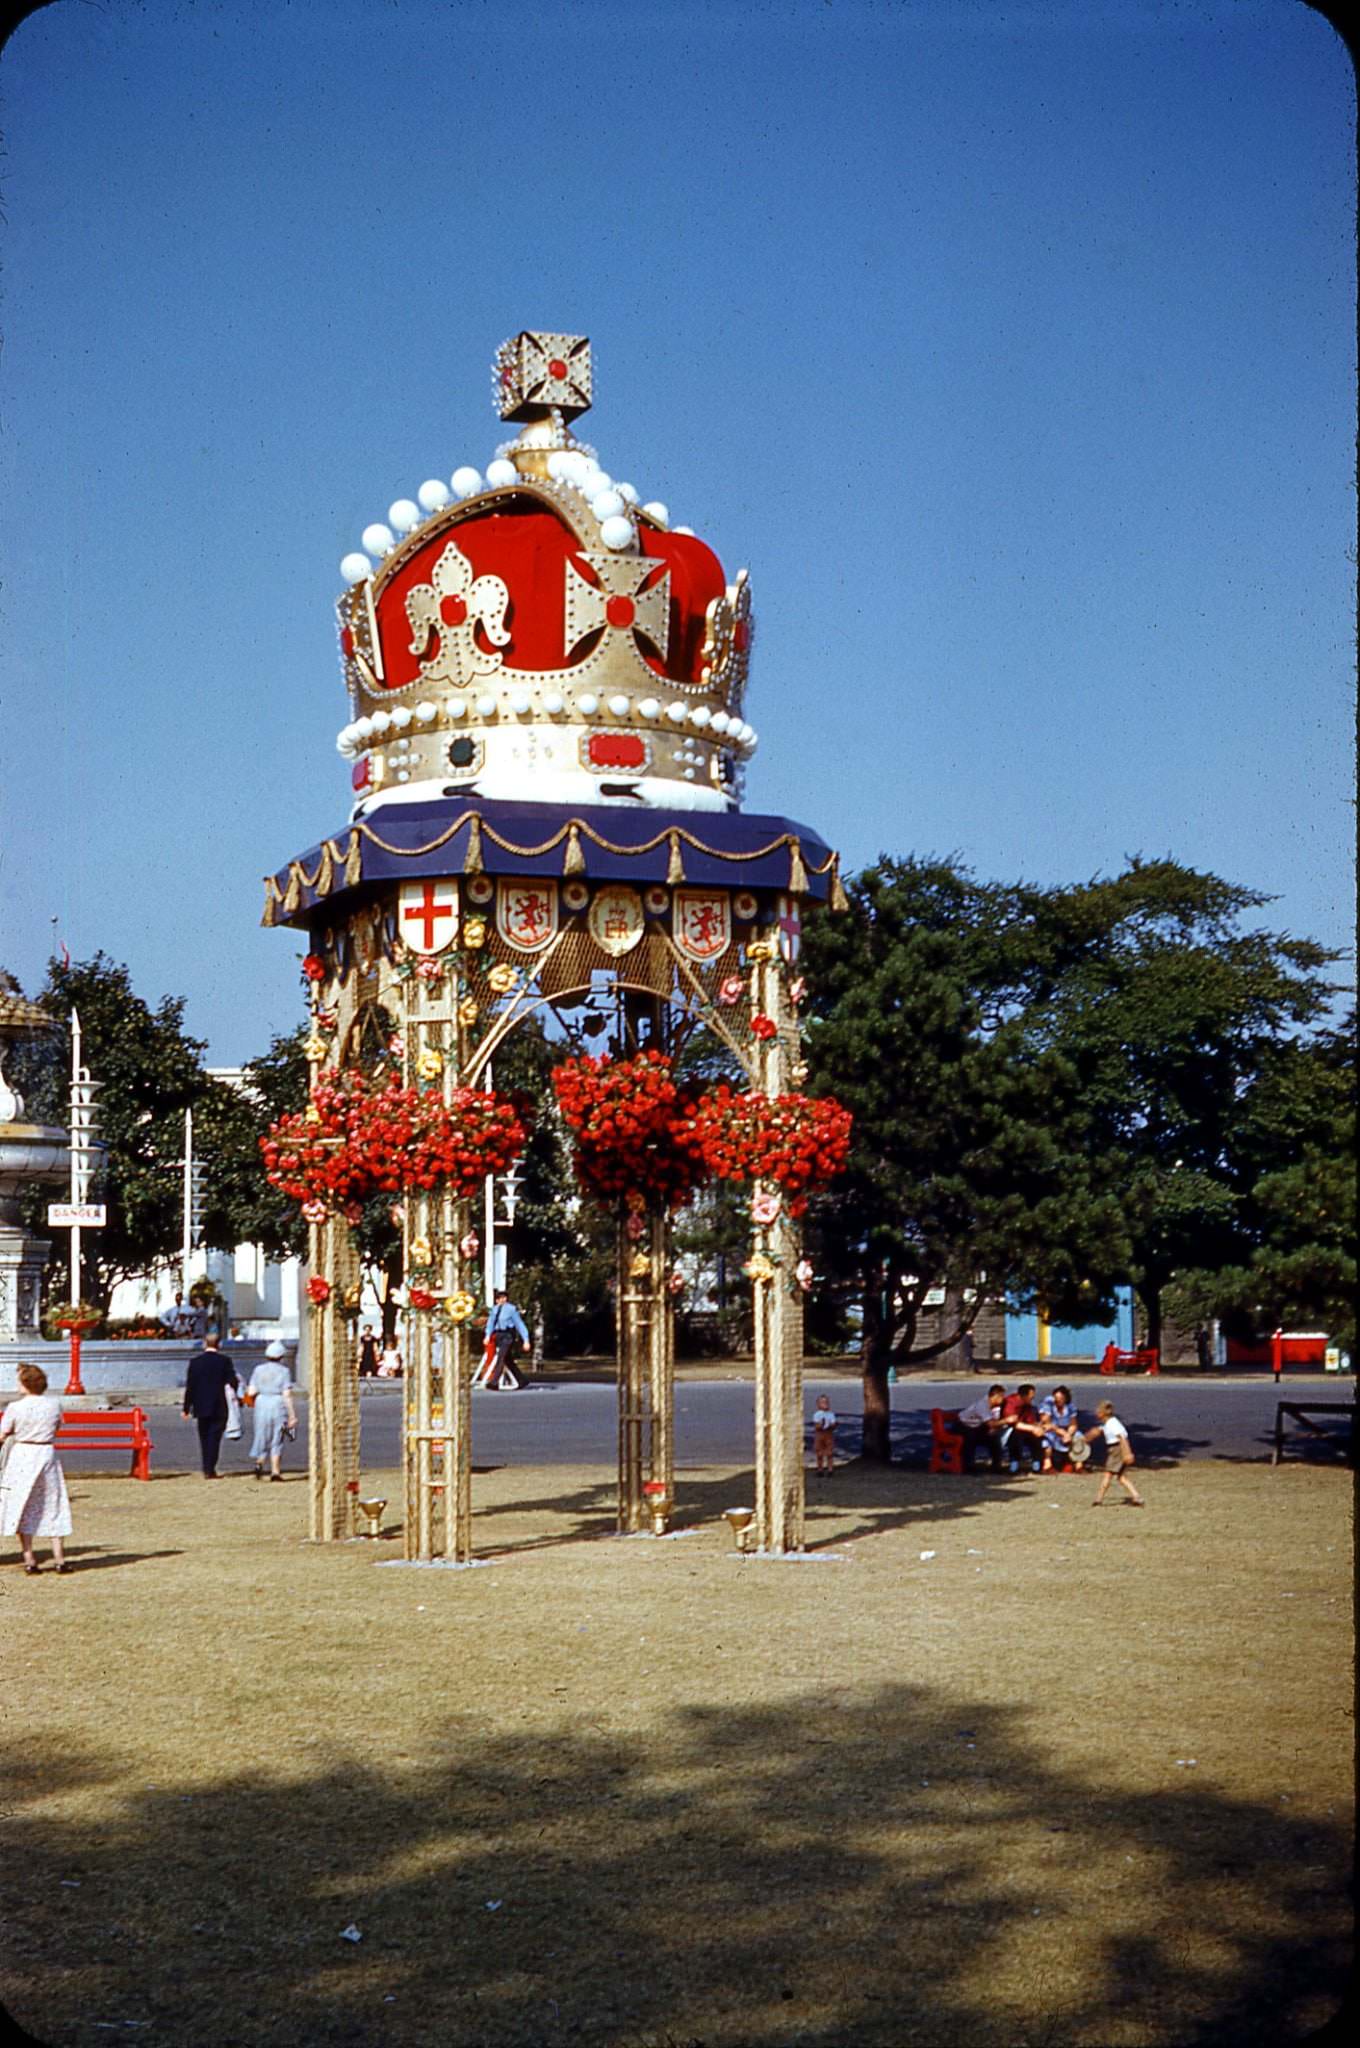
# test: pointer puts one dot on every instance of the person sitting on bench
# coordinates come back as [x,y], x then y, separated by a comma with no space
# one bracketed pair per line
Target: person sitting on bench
[1021,1427]
[980,1423]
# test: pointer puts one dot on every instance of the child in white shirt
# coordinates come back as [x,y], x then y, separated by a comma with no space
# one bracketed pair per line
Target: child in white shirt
[1118,1454]
[824,1434]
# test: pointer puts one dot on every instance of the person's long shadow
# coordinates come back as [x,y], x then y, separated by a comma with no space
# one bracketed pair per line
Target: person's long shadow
[855,1865]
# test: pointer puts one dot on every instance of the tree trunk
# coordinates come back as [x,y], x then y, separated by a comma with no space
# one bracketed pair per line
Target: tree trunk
[875,1358]
[1151,1294]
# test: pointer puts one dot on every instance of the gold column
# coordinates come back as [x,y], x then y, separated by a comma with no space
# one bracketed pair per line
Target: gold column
[780,1484]
[333,1396]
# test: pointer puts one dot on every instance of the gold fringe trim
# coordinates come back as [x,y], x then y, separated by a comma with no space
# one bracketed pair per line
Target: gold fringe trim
[270,915]
[838,899]
[354,862]
[472,859]
[675,870]
[325,869]
[292,895]
[573,861]
[798,880]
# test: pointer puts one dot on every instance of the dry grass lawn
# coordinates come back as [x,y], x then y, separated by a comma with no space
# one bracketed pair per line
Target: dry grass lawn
[1070,1780]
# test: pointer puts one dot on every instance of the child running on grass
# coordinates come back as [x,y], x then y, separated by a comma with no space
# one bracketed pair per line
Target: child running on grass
[824,1434]
[1118,1454]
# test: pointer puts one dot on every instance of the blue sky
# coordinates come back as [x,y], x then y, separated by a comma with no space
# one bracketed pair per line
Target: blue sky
[1011,348]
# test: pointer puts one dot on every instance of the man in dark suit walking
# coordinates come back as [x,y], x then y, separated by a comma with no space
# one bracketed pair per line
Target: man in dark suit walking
[205,1398]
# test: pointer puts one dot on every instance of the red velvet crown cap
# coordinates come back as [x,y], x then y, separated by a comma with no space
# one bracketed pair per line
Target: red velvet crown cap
[528,547]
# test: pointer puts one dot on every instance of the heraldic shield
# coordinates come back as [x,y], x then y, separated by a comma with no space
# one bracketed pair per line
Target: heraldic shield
[702,923]
[526,914]
[427,915]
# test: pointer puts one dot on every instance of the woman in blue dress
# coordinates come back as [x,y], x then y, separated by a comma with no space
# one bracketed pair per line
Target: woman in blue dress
[271,1383]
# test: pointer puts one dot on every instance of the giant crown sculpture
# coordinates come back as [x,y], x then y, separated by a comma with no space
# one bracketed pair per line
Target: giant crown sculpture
[537,633]
[548,740]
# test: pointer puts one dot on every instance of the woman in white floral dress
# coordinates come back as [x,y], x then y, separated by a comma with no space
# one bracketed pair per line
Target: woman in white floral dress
[33,1498]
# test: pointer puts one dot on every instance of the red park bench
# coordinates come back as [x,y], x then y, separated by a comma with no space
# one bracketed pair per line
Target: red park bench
[1146,1359]
[946,1441]
[109,1429]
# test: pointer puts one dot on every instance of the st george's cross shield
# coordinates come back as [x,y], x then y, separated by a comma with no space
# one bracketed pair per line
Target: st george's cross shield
[526,914]
[427,914]
[702,923]
[788,927]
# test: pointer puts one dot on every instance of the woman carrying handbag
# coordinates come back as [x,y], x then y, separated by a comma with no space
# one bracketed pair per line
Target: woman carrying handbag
[270,1397]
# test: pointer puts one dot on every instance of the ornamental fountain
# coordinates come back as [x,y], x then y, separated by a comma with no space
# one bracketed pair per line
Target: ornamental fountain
[548,744]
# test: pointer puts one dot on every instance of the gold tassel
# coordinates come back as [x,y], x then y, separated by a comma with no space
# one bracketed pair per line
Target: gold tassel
[325,869]
[354,861]
[292,895]
[573,860]
[839,900]
[271,896]
[797,872]
[472,859]
[675,869]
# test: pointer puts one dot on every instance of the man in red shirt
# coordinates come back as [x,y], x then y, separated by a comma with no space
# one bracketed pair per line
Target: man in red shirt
[1021,1429]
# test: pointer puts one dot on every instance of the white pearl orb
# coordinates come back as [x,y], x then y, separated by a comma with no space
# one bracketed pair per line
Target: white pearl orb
[486,705]
[554,705]
[606,505]
[363,728]
[401,717]
[378,539]
[683,529]
[657,511]
[720,721]
[627,493]
[404,514]
[455,707]
[427,712]
[355,567]
[588,703]
[433,494]
[700,716]
[521,703]
[501,472]
[650,707]
[381,722]
[560,463]
[616,533]
[619,705]
[342,740]
[466,481]
[677,712]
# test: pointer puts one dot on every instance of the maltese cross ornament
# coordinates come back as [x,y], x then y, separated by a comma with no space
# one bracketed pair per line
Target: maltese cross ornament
[620,599]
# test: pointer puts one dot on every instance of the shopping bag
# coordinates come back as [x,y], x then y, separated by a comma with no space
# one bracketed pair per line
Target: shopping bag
[233,1428]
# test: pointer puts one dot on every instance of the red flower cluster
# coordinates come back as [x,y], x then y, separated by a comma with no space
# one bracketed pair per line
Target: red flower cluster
[314,968]
[793,1140]
[365,1139]
[626,1116]
[318,1289]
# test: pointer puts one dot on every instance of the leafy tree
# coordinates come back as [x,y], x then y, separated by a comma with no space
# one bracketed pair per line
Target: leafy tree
[1048,1087]
[1294,1159]
[967,1169]
[240,1206]
[1175,1019]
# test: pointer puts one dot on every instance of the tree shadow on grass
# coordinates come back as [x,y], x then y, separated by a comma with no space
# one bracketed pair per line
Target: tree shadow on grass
[865,1866]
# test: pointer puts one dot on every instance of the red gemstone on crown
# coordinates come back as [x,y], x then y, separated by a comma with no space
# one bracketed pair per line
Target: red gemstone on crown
[741,635]
[620,611]
[616,750]
[557,368]
[346,643]
[453,610]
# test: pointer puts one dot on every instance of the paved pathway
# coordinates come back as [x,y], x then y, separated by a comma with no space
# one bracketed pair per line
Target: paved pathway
[555,1422]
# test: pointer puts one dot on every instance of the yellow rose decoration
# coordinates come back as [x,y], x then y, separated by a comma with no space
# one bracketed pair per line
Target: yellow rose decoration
[315,1048]
[760,949]
[639,1266]
[502,978]
[474,933]
[459,1307]
[467,1012]
[429,1064]
[759,1268]
[422,1252]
